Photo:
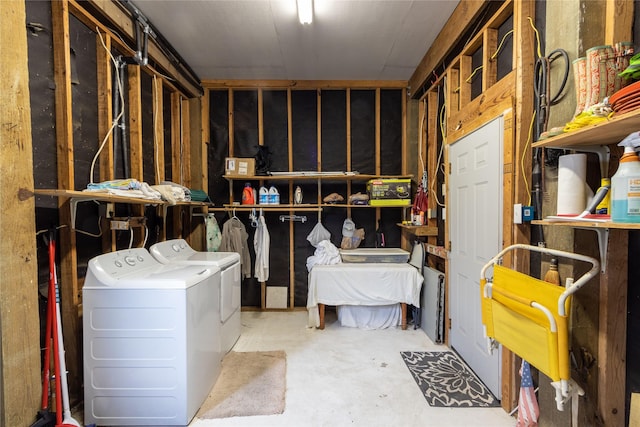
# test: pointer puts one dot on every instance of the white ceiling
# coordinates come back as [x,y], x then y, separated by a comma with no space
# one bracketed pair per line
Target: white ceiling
[262,39]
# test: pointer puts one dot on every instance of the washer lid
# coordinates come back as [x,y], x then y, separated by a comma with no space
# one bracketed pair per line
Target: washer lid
[137,269]
[179,251]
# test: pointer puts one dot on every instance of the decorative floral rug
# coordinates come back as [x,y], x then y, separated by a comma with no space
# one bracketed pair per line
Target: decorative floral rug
[445,380]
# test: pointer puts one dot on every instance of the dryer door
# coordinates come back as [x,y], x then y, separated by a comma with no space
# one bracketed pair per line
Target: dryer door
[230,287]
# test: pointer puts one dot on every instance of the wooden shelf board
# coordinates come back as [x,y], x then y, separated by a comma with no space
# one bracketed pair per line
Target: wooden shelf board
[607,132]
[312,177]
[420,230]
[589,224]
[104,197]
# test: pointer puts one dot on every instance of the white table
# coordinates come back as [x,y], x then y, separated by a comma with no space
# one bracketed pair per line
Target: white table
[370,284]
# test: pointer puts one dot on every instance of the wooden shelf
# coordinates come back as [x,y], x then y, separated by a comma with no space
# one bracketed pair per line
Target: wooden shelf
[589,224]
[420,230]
[295,176]
[607,132]
[301,207]
[105,197]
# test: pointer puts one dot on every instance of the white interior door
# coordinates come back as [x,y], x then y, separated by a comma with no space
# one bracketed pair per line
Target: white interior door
[475,221]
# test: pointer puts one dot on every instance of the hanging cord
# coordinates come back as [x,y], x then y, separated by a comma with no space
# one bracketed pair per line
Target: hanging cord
[542,88]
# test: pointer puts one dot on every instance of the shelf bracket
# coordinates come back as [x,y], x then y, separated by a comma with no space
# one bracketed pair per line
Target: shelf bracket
[603,245]
[604,154]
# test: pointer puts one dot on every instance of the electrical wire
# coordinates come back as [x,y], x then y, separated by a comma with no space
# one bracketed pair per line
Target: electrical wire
[156,148]
[120,114]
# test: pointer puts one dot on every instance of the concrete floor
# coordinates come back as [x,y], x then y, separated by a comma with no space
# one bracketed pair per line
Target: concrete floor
[347,376]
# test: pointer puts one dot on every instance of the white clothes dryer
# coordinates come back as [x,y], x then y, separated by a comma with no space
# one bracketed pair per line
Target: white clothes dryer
[151,339]
[180,252]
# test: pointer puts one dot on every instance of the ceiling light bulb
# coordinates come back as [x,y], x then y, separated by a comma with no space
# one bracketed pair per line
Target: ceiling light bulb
[305,11]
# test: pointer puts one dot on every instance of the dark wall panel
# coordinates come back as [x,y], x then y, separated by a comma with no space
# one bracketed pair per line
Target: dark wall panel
[363,131]
[304,130]
[245,123]
[275,124]
[148,157]
[84,95]
[334,130]
[391,132]
[218,147]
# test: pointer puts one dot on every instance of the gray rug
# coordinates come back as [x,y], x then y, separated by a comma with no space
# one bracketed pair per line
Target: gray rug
[445,380]
[250,383]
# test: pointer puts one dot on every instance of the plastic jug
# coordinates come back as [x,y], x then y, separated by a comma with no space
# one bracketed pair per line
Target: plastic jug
[263,196]
[274,196]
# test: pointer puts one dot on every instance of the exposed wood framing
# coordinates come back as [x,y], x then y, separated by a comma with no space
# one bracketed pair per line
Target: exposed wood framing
[466,113]
[135,123]
[69,292]
[304,84]
[292,281]
[185,144]
[612,331]
[105,115]
[158,129]
[20,338]
[619,21]
[463,16]
[121,19]
[404,148]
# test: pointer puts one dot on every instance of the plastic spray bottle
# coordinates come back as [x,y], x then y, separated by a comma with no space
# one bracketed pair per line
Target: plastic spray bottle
[625,184]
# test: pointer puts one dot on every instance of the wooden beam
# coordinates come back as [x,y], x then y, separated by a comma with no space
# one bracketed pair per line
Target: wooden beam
[405,143]
[612,331]
[185,148]
[377,132]
[69,289]
[618,21]
[105,114]
[304,84]
[20,342]
[158,129]
[121,19]
[135,123]
[462,17]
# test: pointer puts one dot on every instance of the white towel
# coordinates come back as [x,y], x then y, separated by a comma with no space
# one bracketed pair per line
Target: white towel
[261,242]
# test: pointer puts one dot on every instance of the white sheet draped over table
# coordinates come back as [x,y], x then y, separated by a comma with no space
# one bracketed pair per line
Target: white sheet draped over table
[368,284]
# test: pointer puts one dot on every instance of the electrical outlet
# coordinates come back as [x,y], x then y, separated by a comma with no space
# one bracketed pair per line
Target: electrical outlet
[120,225]
[517,213]
[111,208]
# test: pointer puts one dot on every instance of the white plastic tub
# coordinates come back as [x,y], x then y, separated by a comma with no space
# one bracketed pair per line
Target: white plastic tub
[374,255]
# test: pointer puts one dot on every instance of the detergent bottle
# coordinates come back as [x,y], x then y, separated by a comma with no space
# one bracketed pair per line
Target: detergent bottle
[247,195]
[625,184]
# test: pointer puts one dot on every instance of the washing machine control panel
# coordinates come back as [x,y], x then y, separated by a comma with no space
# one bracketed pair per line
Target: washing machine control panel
[123,262]
[178,246]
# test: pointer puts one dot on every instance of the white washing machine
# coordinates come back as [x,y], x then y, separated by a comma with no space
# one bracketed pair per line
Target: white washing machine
[178,251]
[151,339]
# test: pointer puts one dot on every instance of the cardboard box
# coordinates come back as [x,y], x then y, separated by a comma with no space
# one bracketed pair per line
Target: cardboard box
[276,297]
[240,166]
[395,191]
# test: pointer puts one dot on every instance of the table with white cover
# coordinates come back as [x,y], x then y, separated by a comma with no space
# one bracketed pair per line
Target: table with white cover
[362,284]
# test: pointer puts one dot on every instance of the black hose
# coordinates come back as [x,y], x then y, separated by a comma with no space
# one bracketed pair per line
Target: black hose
[542,88]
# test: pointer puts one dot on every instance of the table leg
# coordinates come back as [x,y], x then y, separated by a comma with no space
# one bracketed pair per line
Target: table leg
[321,311]
[403,308]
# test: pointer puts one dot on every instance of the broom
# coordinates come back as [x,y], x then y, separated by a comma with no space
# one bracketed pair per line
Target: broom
[552,275]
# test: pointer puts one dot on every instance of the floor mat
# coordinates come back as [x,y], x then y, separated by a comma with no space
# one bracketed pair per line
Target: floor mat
[250,383]
[445,380]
